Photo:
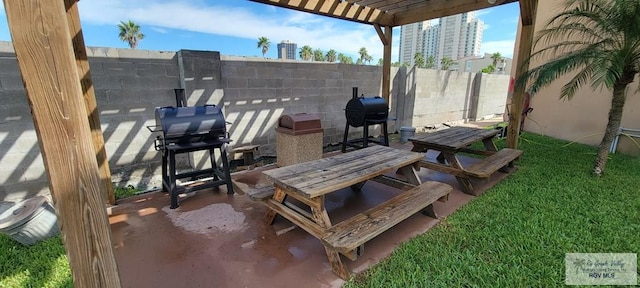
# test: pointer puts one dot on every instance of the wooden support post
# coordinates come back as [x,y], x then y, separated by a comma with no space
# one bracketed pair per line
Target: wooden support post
[386,37]
[43,47]
[82,61]
[527,16]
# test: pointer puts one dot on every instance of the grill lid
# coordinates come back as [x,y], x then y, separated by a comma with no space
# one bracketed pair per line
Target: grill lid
[361,109]
[185,122]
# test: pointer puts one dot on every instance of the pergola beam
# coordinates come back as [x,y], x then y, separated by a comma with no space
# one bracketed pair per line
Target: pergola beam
[345,10]
[44,50]
[527,16]
[439,8]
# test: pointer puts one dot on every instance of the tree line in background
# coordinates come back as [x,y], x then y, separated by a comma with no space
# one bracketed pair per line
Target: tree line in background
[307,53]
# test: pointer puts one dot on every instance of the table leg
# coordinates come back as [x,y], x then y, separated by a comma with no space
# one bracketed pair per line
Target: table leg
[410,172]
[322,218]
[464,182]
[489,145]
[278,196]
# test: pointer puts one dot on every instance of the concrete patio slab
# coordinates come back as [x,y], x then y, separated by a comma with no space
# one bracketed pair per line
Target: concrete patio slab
[219,240]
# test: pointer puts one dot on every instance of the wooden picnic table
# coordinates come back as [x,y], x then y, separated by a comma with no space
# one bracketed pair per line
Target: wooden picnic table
[449,142]
[309,182]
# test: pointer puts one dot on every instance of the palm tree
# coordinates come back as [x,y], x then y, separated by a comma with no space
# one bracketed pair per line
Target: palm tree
[364,56]
[263,42]
[331,56]
[380,61]
[418,59]
[344,59]
[496,57]
[430,62]
[446,62]
[318,55]
[598,43]
[306,52]
[130,33]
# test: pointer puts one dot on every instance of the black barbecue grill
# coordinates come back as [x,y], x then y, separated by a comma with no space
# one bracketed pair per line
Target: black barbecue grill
[190,129]
[364,112]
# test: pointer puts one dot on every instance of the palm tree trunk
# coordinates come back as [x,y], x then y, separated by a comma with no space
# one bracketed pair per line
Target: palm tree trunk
[615,119]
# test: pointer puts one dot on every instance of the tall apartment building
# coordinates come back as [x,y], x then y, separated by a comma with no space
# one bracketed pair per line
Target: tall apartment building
[287,50]
[454,36]
[411,38]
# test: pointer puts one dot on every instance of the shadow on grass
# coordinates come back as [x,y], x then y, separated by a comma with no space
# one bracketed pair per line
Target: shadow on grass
[42,265]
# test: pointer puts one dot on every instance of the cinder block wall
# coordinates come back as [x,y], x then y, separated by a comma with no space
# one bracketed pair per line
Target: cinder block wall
[258,91]
[128,84]
[254,93]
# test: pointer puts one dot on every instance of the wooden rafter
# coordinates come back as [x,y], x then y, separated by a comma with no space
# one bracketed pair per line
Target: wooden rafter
[345,10]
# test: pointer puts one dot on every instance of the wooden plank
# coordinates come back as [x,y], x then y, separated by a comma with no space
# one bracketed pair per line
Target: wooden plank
[339,9]
[346,236]
[296,218]
[329,174]
[442,168]
[493,163]
[454,138]
[260,193]
[43,47]
[440,8]
[386,64]
[82,62]
[393,182]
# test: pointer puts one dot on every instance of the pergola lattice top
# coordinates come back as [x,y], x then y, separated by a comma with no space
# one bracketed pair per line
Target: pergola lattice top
[385,12]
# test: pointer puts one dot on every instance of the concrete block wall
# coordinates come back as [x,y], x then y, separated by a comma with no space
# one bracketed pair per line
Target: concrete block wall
[434,96]
[253,92]
[257,92]
[128,84]
[488,98]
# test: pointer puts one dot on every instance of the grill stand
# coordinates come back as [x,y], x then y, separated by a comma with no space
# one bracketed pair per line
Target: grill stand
[169,175]
[365,137]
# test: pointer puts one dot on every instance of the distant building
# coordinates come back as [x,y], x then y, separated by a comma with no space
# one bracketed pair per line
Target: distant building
[287,50]
[476,64]
[455,36]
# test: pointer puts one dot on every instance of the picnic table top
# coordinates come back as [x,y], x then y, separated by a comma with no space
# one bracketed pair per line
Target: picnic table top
[454,138]
[319,177]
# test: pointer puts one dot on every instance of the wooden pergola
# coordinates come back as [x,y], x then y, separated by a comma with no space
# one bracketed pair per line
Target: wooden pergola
[49,46]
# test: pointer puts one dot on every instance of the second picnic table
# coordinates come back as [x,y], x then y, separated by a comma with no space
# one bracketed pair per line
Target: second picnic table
[449,142]
[309,182]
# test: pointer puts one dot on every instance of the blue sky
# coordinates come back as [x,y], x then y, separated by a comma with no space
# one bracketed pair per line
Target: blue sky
[233,27]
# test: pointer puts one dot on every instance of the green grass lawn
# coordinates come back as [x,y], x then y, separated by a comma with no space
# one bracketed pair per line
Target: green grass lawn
[515,235]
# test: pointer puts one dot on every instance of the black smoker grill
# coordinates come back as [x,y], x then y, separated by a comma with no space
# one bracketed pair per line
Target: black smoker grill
[364,112]
[190,129]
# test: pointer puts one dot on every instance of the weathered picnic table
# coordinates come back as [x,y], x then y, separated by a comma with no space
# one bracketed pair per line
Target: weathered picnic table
[309,182]
[449,142]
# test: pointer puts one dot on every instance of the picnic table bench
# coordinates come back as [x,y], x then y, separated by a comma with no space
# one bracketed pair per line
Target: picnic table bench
[309,182]
[449,142]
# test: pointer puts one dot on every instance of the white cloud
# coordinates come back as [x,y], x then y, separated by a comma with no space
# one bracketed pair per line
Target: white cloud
[237,21]
[159,30]
[486,26]
[505,47]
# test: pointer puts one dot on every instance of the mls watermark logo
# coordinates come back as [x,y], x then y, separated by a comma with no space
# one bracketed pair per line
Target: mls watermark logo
[601,269]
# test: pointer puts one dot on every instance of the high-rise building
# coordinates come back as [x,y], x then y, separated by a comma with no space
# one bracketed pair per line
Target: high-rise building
[411,41]
[287,50]
[454,36]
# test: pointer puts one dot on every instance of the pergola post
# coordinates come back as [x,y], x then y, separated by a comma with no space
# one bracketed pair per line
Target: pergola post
[386,38]
[43,47]
[89,96]
[527,17]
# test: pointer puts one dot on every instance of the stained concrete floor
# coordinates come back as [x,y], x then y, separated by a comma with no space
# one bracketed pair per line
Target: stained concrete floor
[219,240]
